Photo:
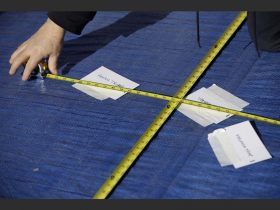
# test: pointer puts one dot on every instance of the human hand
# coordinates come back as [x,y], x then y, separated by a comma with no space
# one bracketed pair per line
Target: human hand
[46,42]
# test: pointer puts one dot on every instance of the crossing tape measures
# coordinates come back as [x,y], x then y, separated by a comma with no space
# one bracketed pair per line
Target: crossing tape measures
[172,104]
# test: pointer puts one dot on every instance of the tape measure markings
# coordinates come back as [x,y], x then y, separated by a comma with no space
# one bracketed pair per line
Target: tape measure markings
[166,98]
[172,104]
[132,155]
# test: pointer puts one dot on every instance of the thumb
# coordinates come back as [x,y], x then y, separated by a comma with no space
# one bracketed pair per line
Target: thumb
[52,63]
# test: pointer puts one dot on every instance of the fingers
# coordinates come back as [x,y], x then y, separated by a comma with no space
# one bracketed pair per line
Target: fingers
[46,42]
[19,60]
[30,66]
[32,63]
[16,53]
[52,64]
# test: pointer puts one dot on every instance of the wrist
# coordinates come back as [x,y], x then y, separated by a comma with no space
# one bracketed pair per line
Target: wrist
[54,28]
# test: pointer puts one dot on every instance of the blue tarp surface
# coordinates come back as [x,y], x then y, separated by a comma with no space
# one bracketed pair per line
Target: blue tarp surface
[57,142]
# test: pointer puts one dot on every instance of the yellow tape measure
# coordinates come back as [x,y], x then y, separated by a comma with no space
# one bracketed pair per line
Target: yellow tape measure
[172,104]
[166,98]
[132,155]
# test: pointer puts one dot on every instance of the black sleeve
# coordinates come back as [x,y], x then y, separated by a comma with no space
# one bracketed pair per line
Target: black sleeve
[264,28]
[73,22]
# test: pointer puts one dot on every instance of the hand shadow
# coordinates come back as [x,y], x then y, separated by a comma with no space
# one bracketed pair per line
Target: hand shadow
[78,49]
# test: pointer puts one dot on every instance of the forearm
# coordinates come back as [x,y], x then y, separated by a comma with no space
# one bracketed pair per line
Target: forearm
[73,22]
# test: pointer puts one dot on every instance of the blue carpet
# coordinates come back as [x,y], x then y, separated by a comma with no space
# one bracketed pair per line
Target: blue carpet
[57,142]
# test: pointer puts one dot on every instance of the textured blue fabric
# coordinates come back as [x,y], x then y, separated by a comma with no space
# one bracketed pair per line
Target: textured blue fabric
[57,142]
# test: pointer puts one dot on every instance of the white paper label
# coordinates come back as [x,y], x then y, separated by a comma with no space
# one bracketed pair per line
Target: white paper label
[105,76]
[238,145]
[213,95]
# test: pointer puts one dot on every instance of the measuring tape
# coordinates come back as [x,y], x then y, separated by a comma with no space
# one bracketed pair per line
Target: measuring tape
[172,104]
[132,155]
[165,97]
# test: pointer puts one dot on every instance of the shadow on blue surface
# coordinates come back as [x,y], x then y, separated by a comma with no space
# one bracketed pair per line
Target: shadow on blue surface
[75,141]
[78,49]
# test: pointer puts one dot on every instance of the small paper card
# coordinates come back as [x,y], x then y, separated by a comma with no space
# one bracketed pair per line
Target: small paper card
[238,145]
[213,95]
[105,76]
